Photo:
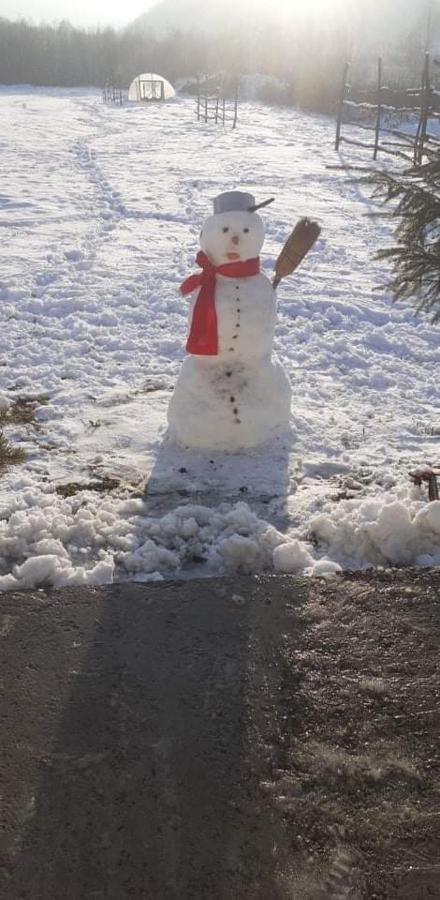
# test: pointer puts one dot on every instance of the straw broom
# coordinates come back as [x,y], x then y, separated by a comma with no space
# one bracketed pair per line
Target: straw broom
[295,249]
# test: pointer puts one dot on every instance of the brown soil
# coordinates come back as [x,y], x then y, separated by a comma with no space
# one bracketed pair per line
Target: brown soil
[102,486]
[9,455]
[22,411]
[362,760]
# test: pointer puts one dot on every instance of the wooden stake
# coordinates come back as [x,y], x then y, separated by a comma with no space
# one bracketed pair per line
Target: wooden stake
[424,111]
[426,105]
[234,124]
[341,105]
[379,107]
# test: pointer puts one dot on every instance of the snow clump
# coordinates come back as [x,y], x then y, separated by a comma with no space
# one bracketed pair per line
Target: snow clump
[5,403]
[54,541]
[384,530]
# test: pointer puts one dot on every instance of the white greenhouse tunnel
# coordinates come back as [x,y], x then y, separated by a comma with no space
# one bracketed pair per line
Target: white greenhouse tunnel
[149,86]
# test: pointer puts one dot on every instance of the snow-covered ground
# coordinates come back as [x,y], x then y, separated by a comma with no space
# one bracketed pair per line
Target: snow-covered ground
[100,212]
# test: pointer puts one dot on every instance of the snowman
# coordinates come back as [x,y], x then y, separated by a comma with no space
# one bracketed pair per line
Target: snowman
[231,393]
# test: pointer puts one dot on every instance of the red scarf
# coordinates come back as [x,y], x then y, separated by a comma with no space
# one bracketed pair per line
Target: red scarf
[203,339]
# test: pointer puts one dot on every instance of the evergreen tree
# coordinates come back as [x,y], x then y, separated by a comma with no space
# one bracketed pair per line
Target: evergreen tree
[415,257]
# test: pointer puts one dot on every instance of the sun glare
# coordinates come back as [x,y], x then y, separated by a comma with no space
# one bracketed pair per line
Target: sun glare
[88,14]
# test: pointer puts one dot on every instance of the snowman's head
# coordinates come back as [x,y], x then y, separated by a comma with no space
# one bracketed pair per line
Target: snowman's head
[232,237]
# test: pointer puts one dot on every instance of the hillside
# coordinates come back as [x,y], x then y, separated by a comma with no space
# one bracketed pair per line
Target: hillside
[189,15]
[370,24]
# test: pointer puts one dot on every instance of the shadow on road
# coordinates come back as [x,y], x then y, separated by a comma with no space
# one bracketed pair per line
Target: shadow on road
[147,779]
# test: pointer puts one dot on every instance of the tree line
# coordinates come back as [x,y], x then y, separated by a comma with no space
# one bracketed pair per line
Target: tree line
[306,61]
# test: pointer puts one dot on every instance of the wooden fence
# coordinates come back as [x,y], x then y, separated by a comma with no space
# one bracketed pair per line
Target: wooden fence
[113,94]
[212,104]
[382,110]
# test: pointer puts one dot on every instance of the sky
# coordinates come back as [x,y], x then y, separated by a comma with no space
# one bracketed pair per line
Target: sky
[90,13]
[86,13]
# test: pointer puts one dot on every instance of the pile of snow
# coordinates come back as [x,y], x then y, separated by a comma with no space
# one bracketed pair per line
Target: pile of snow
[381,530]
[89,540]
[294,557]
[4,403]
[85,539]
[55,569]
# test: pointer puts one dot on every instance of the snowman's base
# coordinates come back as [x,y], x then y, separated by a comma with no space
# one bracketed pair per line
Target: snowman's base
[225,404]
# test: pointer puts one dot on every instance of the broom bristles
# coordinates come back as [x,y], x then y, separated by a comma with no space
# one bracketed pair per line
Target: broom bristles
[296,248]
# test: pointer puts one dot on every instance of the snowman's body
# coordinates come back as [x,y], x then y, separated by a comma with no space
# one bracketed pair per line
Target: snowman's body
[239,397]
[246,317]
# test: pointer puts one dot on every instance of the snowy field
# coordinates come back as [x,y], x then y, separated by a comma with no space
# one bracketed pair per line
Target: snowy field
[100,212]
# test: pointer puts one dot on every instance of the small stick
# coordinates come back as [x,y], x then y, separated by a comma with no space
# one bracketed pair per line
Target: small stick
[429,475]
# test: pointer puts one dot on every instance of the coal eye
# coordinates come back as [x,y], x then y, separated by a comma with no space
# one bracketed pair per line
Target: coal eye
[246,230]
[225,229]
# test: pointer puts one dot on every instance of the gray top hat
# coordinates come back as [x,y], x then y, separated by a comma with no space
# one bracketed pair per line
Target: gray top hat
[237,201]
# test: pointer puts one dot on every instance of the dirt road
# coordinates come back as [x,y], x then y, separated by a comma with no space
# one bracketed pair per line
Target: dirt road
[257,738]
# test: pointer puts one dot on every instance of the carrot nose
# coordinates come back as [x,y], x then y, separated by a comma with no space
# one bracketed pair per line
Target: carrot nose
[235,239]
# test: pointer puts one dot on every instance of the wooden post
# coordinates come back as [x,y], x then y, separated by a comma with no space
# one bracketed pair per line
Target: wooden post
[206,107]
[224,108]
[379,107]
[426,106]
[217,102]
[234,124]
[198,98]
[429,26]
[424,103]
[341,105]
[419,125]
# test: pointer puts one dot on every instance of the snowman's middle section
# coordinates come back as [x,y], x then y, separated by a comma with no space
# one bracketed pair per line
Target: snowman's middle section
[246,315]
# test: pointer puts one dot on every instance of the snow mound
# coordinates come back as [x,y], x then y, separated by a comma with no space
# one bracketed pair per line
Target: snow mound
[56,571]
[4,403]
[51,541]
[292,556]
[385,530]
